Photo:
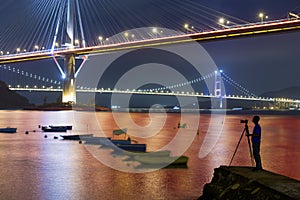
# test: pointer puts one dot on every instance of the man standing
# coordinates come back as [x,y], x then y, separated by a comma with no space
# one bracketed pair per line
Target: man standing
[256,139]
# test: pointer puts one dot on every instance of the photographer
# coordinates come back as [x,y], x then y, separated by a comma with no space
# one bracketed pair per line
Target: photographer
[256,138]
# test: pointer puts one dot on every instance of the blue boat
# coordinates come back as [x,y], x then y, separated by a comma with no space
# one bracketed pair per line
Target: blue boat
[133,147]
[8,130]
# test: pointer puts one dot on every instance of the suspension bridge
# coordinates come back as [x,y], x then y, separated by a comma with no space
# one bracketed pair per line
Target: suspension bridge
[228,90]
[68,41]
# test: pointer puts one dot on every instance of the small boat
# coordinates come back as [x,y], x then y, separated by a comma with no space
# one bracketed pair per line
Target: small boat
[8,130]
[76,137]
[133,147]
[162,160]
[54,129]
[66,127]
[153,153]
[95,140]
[120,131]
[109,142]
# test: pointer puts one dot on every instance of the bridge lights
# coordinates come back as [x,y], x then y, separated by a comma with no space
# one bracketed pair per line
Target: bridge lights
[262,17]
[223,22]
[188,28]
[76,42]
[36,47]
[126,34]
[100,38]
[18,50]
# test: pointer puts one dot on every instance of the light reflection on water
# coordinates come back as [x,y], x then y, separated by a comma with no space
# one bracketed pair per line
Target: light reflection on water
[34,167]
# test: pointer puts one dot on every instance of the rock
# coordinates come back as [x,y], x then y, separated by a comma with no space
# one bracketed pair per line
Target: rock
[243,183]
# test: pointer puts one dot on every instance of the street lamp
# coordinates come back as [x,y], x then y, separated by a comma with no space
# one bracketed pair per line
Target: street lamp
[155,31]
[223,21]
[76,42]
[36,47]
[187,27]
[126,34]
[100,38]
[262,17]
[18,50]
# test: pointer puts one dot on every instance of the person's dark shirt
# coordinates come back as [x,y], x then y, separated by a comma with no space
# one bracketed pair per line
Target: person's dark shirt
[256,131]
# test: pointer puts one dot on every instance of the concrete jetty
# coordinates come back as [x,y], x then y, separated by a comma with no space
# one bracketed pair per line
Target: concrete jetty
[243,183]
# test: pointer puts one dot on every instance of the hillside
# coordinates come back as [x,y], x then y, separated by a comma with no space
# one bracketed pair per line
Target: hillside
[291,92]
[11,99]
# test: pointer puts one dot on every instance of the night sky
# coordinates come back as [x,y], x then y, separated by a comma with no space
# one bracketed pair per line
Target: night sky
[261,64]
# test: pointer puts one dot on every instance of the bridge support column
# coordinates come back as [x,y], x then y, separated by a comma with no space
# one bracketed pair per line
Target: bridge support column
[218,89]
[69,87]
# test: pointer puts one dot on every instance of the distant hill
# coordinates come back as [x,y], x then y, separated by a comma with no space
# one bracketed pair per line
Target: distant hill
[11,99]
[291,92]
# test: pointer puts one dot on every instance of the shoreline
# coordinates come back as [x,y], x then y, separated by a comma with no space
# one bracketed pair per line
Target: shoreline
[147,110]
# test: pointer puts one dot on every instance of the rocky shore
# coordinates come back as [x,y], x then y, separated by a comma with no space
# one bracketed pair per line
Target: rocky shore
[242,183]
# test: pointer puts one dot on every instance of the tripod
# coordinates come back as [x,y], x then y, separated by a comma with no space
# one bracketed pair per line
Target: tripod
[246,131]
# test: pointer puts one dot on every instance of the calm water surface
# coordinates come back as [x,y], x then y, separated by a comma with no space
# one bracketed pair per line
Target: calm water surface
[35,167]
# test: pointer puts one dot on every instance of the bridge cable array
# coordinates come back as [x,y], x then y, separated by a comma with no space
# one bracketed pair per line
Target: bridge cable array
[41,24]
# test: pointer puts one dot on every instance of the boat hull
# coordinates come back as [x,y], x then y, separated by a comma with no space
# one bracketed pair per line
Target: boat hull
[133,147]
[162,160]
[8,130]
[76,137]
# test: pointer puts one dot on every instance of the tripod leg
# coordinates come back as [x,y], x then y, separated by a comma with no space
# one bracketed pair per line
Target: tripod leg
[237,146]
[250,149]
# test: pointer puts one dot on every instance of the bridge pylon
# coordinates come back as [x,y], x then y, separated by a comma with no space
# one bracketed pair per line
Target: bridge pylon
[218,89]
[69,85]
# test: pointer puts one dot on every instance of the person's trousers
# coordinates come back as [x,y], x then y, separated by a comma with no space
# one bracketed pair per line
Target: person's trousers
[256,154]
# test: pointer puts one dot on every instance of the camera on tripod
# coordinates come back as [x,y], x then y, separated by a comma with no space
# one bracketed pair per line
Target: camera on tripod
[245,121]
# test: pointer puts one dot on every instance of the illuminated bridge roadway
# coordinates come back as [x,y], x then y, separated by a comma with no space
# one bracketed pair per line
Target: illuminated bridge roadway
[162,93]
[230,32]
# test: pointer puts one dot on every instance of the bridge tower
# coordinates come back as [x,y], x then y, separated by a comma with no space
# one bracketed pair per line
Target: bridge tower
[69,87]
[218,88]
[69,83]
[66,24]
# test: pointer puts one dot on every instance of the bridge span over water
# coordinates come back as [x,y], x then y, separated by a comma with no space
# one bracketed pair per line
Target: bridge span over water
[71,50]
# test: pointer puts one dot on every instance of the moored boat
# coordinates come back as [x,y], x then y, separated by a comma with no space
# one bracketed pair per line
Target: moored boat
[95,140]
[77,137]
[52,128]
[165,153]
[68,127]
[133,147]
[162,160]
[110,143]
[8,130]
